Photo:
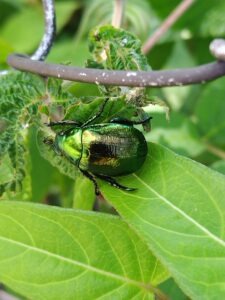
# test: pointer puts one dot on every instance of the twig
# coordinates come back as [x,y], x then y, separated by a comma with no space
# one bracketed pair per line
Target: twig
[49,34]
[118,13]
[170,20]
[177,77]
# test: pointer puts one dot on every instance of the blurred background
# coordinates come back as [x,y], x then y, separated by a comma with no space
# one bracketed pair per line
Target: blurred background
[196,128]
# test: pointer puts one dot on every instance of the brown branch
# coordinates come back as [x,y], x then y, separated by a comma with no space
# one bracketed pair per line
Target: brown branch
[170,20]
[177,77]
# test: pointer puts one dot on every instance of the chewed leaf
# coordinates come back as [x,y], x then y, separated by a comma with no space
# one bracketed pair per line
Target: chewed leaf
[116,49]
[23,98]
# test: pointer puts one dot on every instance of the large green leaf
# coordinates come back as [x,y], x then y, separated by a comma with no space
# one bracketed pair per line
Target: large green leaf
[50,253]
[179,209]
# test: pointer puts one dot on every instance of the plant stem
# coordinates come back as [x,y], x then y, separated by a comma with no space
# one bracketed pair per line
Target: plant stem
[118,13]
[170,20]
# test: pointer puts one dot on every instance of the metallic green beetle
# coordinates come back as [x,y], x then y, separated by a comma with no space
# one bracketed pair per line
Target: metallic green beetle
[102,150]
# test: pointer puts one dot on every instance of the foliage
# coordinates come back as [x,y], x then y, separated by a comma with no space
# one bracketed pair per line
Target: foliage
[169,234]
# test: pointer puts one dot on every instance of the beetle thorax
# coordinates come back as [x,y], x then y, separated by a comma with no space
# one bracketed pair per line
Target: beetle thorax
[70,144]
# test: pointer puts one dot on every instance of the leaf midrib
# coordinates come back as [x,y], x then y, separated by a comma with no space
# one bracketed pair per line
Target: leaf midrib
[191,220]
[80,264]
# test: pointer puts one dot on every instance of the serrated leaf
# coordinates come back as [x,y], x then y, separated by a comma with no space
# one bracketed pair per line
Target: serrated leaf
[19,98]
[6,169]
[19,185]
[116,49]
[57,253]
[179,210]
[23,97]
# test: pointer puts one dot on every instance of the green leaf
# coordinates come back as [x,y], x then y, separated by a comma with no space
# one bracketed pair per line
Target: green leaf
[170,288]
[65,51]
[41,172]
[20,95]
[178,133]
[6,49]
[116,49]
[219,166]
[60,162]
[25,40]
[6,170]
[87,107]
[179,58]
[210,117]
[179,210]
[73,254]
[64,11]
[84,193]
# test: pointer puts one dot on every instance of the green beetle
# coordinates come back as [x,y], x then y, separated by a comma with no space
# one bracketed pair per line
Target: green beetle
[102,150]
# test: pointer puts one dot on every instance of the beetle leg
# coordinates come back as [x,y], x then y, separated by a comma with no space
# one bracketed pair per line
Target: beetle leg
[91,177]
[114,183]
[129,122]
[63,123]
[97,115]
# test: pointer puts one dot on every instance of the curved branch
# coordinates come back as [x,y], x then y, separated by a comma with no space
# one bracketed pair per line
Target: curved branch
[177,77]
[49,34]
[50,30]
